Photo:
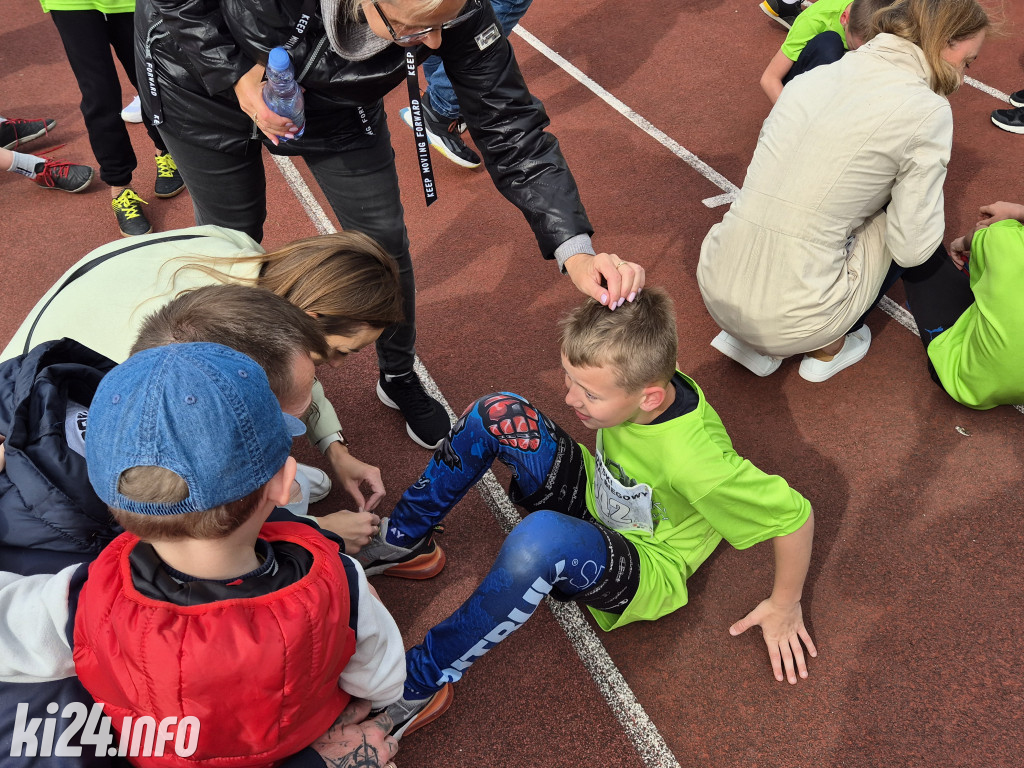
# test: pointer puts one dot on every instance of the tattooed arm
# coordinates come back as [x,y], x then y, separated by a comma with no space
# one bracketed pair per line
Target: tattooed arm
[355,742]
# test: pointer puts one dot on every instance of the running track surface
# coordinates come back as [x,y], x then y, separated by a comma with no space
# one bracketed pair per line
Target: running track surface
[914,592]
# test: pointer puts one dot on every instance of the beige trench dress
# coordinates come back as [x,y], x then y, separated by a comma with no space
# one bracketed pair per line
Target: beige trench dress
[846,178]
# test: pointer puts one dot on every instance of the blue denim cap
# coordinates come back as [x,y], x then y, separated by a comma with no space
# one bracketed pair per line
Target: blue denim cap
[203,411]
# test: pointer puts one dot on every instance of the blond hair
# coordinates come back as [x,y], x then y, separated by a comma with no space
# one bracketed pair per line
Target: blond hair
[163,486]
[933,25]
[638,340]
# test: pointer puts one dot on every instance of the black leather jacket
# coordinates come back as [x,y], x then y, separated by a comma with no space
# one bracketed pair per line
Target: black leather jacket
[198,49]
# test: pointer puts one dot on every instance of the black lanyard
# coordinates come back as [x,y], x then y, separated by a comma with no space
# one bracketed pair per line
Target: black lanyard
[422,144]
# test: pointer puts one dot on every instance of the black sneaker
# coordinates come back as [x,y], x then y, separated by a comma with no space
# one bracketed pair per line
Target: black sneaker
[423,559]
[1017,98]
[59,174]
[781,11]
[443,135]
[410,715]
[1011,120]
[168,180]
[130,218]
[15,132]
[426,420]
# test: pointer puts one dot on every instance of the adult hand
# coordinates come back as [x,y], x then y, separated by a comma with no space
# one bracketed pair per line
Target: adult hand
[3,460]
[356,528]
[355,741]
[959,252]
[353,474]
[606,277]
[249,92]
[783,630]
[1000,211]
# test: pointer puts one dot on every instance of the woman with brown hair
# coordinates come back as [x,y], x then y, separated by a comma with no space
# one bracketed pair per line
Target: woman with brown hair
[345,280]
[843,192]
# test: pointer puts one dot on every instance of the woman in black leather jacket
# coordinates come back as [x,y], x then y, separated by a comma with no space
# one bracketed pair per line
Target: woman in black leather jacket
[203,64]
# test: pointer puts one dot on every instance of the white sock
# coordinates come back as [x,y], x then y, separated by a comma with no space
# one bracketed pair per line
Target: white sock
[26,165]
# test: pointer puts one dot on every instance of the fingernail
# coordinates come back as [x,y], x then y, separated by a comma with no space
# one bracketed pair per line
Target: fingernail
[622,301]
[632,296]
[604,298]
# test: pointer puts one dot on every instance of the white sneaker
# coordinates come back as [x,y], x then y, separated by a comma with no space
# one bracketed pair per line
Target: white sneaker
[745,355]
[853,351]
[133,112]
[319,482]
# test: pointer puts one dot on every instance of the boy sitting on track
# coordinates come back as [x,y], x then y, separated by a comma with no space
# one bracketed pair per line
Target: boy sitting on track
[620,532]
[821,34]
[259,633]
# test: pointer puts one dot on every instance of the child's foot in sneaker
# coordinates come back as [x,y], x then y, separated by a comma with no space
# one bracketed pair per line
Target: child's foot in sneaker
[443,135]
[168,179]
[410,715]
[426,420]
[781,11]
[59,174]
[422,559]
[128,210]
[1011,120]
[15,132]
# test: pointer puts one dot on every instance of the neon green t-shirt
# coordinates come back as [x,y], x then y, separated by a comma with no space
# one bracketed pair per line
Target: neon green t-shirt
[700,492]
[104,6]
[980,359]
[822,16]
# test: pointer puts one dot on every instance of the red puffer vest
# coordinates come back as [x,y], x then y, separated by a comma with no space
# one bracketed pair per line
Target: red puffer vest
[260,674]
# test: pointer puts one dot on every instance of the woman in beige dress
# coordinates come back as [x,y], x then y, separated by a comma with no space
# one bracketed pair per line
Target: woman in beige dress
[844,190]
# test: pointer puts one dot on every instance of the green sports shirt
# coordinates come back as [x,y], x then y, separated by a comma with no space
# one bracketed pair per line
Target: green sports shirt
[685,478]
[822,16]
[980,359]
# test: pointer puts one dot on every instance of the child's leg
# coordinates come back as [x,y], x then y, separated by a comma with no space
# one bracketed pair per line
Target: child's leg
[504,427]
[549,552]
[87,44]
[823,48]
[938,293]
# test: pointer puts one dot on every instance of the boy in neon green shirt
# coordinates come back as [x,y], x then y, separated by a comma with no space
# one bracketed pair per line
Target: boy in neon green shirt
[821,34]
[973,327]
[619,531]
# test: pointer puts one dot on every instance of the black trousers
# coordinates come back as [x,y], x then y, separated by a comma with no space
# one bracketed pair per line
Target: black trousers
[824,48]
[88,38]
[938,293]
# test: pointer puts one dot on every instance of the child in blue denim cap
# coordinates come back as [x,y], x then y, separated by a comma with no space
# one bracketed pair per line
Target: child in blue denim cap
[251,637]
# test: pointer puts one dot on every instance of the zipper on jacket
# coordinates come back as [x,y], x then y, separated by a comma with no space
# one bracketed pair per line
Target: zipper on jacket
[314,57]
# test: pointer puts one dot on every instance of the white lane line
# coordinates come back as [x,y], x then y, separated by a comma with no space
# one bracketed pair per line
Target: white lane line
[316,213]
[987,89]
[638,120]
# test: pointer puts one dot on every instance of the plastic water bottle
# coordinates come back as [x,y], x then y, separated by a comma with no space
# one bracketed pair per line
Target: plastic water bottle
[281,93]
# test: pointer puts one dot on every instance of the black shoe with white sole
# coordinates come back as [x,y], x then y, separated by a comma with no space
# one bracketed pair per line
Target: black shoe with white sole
[426,420]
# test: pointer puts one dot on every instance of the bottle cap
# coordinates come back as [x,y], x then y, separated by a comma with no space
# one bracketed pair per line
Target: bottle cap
[278,59]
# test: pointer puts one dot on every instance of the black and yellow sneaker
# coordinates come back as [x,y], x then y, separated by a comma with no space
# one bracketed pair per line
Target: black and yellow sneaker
[130,218]
[60,174]
[444,135]
[782,11]
[168,180]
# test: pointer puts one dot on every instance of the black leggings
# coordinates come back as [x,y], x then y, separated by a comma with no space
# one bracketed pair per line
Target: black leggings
[937,294]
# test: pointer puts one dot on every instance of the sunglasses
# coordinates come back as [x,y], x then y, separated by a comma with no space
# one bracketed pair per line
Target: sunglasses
[468,10]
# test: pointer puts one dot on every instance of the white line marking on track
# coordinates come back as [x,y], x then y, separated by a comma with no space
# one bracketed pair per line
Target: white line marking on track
[638,120]
[987,89]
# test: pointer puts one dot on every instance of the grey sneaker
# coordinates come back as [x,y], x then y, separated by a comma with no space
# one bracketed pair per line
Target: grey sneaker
[422,560]
[411,715]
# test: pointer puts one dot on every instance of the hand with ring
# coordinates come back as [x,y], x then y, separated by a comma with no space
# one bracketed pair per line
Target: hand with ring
[605,277]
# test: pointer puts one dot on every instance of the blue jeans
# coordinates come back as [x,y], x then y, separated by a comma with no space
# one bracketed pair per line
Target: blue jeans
[559,549]
[440,94]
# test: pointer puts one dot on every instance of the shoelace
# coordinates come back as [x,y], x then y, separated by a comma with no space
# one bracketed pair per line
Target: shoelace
[53,168]
[165,167]
[127,203]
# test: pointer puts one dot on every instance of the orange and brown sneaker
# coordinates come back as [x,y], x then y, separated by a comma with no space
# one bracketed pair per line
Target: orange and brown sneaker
[424,559]
[411,715]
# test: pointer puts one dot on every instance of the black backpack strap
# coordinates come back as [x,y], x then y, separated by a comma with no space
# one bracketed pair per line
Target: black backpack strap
[89,265]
